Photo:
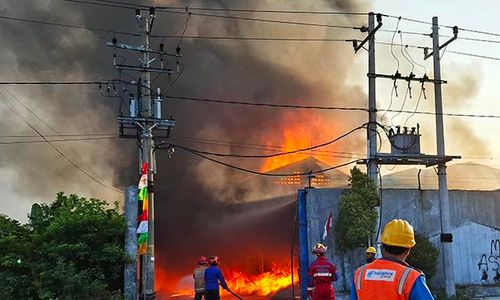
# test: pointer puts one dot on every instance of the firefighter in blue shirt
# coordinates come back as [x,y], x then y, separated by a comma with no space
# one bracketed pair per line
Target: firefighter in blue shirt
[213,277]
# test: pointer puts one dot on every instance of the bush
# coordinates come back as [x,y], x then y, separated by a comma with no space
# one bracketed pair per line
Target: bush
[424,256]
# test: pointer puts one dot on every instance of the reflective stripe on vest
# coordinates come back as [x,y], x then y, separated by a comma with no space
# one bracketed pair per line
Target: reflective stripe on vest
[360,275]
[322,274]
[403,279]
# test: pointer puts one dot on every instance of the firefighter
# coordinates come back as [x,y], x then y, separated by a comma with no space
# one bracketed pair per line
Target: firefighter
[199,278]
[214,277]
[390,277]
[370,254]
[323,273]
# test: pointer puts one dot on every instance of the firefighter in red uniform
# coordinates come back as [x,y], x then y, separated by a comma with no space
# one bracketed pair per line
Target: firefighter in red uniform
[323,273]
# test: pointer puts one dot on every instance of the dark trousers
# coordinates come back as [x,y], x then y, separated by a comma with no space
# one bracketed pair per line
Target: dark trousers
[199,295]
[212,295]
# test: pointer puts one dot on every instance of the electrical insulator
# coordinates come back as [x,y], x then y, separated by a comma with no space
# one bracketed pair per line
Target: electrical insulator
[157,105]
[134,106]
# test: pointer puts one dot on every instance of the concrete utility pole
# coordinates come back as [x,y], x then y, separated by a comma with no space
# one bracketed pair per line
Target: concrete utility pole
[147,157]
[372,104]
[145,120]
[444,204]
[130,272]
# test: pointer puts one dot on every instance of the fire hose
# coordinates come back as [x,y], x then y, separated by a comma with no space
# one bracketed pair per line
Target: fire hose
[234,294]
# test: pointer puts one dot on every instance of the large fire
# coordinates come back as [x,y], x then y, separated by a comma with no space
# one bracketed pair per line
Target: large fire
[243,284]
[263,284]
[299,131]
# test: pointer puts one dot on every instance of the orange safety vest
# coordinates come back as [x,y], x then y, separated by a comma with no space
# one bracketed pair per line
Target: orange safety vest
[385,279]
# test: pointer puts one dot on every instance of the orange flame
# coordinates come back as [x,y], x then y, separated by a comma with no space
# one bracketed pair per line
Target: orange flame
[299,131]
[241,283]
[262,284]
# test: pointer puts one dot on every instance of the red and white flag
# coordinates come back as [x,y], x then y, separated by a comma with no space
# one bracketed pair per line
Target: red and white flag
[328,225]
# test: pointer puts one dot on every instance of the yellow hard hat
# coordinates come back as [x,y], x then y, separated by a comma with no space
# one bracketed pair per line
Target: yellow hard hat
[371,250]
[399,233]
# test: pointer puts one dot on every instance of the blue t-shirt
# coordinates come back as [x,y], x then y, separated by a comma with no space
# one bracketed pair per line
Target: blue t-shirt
[419,290]
[213,276]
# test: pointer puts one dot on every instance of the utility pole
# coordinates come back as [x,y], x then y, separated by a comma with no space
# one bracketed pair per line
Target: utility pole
[146,120]
[130,269]
[444,205]
[371,162]
[147,157]
[372,104]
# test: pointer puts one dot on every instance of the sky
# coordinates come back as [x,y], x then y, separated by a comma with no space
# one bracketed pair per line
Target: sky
[276,72]
[459,70]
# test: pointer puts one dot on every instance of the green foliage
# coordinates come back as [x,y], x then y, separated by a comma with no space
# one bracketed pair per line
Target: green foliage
[424,256]
[357,217]
[15,271]
[73,250]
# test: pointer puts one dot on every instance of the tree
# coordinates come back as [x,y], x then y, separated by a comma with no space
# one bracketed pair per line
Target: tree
[357,218]
[15,251]
[73,249]
[424,256]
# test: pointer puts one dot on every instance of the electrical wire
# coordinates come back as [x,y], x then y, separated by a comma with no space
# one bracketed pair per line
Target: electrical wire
[17,19]
[57,132]
[270,155]
[403,54]
[59,140]
[18,113]
[249,103]
[254,146]
[121,4]
[273,21]
[402,105]
[255,38]
[394,87]
[192,151]
[392,45]
[475,55]
[422,91]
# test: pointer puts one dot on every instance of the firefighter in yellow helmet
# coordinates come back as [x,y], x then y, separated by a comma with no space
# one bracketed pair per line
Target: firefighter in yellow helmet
[390,277]
[370,254]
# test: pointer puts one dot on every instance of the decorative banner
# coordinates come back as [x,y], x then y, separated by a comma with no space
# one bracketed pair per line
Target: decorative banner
[142,230]
[143,227]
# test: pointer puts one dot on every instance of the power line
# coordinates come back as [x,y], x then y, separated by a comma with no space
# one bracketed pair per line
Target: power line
[59,135]
[67,25]
[58,140]
[253,146]
[24,82]
[444,114]
[253,38]
[274,154]
[474,55]
[249,103]
[449,51]
[274,21]
[266,174]
[121,4]
[18,113]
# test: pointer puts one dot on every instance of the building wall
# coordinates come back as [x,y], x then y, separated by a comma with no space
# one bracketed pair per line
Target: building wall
[421,209]
[476,249]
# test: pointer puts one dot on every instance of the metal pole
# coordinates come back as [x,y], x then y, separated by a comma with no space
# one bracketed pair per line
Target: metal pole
[130,269]
[147,157]
[304,244]
[372,114]
[444,204]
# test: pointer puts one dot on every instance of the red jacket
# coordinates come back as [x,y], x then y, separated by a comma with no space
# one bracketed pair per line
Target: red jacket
[322,271]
